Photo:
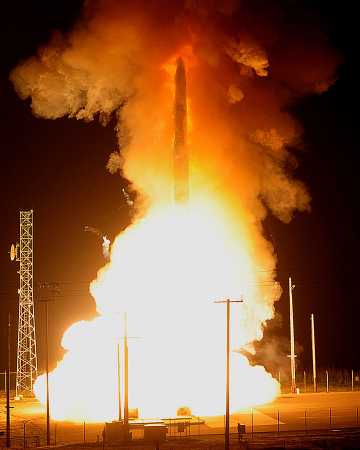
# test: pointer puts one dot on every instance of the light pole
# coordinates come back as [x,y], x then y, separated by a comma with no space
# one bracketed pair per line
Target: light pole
[126,380]
[292,339]
[227,389]
[119,380]
[8,437]
[313,350]
[54,290]
[47,375]
[125,417]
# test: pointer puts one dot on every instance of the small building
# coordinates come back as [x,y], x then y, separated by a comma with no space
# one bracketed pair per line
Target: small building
[155,432]
[151,431]
[115,432]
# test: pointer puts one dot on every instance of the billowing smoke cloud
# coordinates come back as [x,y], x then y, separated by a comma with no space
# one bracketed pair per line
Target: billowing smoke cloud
[246,61]
[244,65]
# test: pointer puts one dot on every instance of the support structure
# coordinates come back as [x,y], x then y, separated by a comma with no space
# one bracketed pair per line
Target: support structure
[26,370]
[313,350]
[53,291]
[227,386]
[292,339]
[8,426]
[119,380]
[47,376]
[126,380]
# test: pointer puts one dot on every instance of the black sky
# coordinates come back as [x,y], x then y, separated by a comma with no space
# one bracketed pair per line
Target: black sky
[58,169]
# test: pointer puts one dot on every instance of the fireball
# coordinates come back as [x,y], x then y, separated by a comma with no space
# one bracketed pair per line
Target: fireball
[166,271]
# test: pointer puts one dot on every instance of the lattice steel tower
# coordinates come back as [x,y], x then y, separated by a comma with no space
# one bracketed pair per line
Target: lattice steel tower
[26,370]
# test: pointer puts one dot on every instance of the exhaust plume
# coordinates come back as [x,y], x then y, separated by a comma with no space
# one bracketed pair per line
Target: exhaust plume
[244,66]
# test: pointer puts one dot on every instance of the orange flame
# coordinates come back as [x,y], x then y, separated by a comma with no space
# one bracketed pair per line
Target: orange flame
[166,270]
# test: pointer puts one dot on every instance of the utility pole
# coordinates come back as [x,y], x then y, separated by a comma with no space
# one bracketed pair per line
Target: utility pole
[8,437]
[119,380]
[47,375]
[126,380]
[292,339]
[4,373]
[53,291]
[313,350]
[227,389]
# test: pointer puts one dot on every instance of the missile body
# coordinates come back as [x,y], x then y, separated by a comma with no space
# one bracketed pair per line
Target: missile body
[181,156]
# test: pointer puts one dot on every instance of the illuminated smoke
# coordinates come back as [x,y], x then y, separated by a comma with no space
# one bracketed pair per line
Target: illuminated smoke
[242,71]
[244,65]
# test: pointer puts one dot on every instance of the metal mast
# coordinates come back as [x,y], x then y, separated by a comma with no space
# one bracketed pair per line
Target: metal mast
[26,370]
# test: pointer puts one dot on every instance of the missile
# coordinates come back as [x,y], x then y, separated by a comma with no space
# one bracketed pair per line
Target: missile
[181,156]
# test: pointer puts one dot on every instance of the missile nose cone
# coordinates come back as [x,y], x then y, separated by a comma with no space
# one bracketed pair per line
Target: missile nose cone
[180,77]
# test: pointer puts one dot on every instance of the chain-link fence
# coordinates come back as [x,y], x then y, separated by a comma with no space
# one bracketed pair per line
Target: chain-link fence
[327,380]
[32,433]
[262,420]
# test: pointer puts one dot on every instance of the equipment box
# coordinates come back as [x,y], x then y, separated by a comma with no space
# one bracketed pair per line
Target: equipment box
[155,432]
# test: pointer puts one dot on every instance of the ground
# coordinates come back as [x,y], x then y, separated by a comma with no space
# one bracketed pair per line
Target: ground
[290,418]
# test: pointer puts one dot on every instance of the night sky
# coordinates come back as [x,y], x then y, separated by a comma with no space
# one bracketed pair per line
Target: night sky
[57,168]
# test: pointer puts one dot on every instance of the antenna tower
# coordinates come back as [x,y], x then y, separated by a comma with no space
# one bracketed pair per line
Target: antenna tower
[26,370]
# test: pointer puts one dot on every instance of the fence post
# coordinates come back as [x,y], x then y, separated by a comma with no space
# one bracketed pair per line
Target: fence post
[55,429]
[357,416]
[327,381]
[199,425]
[84,433]
[278,421]
[330,417]
[305,421]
